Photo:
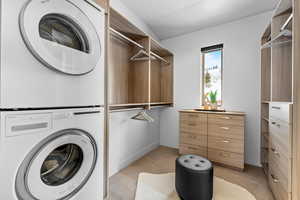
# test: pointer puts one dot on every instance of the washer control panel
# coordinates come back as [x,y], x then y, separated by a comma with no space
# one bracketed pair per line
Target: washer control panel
[27,123]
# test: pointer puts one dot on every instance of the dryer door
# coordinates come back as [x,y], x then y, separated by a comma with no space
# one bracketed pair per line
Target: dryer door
[58,167]
[60,36]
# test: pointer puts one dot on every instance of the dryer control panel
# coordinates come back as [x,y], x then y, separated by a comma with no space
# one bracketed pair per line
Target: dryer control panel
[27,124]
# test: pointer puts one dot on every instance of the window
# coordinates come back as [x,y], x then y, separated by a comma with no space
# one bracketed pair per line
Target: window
[212,69]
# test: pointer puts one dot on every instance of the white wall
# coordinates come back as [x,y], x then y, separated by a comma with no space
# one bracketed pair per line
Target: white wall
[241,86]
[130,139]
[132,17]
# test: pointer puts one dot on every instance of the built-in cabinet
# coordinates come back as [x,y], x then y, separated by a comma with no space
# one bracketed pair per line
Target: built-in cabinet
[140,72]
[216,136]
[280,149]
[277,101]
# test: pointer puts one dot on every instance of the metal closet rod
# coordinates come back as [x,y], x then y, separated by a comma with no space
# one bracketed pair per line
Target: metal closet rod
[159,58]
[120,35]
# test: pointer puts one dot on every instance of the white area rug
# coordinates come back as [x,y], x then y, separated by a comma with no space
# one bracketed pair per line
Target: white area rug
[162,187]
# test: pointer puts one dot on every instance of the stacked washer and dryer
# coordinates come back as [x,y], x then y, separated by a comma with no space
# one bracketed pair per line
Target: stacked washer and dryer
[51,100]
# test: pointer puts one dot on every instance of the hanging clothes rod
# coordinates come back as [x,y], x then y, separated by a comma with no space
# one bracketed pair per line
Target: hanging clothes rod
[284,26]
[120,35]
[159,58]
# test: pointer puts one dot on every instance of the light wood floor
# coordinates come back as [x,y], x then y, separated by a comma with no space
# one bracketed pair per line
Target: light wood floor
[162,160]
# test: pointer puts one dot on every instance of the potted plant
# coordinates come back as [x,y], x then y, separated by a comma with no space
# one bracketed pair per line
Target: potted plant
[213,99]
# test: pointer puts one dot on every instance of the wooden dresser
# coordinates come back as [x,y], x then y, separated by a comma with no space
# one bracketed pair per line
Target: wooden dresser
[280,150]
[216,136]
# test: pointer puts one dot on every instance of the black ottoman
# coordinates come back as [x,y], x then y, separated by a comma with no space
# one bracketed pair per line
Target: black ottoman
[194,178]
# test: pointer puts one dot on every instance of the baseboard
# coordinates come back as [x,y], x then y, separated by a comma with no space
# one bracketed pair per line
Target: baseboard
[130,159]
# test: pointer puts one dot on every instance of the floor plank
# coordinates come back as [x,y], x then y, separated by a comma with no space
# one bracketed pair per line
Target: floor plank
[162,160]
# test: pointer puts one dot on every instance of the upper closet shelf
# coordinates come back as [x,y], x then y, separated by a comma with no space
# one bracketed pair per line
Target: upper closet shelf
[120,35]
[282,6]
[283,37]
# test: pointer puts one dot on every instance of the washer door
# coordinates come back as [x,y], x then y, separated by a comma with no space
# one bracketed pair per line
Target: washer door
[58,167]
[60,36]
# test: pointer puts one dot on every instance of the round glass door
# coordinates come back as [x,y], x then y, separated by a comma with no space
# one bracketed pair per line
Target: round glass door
[61,36]
[58,167]
[61,165]
[63,31]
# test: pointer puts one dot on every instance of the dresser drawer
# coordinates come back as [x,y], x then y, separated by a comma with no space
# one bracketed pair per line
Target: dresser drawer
[282,133]
[191,127]
[227,158]
[226,144]
[226,120]
[228,131]
[281,111]
[193,149]
[193,118]
[278,157]
[193,123]
[193,139]
[277,184]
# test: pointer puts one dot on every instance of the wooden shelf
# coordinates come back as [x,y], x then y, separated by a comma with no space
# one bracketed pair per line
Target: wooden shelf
[121,24]
[134,106]
[158,49]
[265,102]
[159,58]
[282,6]
[161,104]
[129,106]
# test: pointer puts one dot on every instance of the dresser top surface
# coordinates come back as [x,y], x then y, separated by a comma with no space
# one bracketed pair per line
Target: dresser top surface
[212,112]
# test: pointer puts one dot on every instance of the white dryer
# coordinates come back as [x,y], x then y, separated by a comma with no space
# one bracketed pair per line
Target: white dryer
[52,154]
[52,54]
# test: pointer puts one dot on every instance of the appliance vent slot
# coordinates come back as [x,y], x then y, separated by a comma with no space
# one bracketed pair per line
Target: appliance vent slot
[29,127]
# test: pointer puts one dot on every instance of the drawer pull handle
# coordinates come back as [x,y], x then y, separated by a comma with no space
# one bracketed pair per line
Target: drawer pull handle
[273,123]
[276,107]
[192,124]
[225,128]
[225,155]
[275,180]
[226,118]
[225,141]
[275,152]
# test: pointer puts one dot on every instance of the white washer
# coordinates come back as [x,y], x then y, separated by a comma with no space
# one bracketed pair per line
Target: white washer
[52,54]
[52,154]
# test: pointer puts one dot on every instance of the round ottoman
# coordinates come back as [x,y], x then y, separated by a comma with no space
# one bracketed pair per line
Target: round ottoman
[194,178]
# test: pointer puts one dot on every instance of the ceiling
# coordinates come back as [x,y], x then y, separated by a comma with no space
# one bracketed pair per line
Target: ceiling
[169,18]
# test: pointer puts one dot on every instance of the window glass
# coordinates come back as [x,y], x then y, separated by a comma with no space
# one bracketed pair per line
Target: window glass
[212,76]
